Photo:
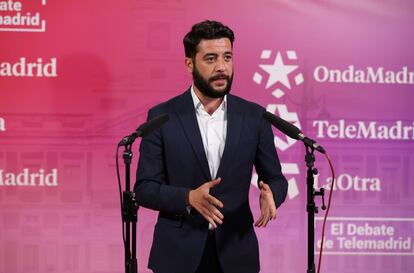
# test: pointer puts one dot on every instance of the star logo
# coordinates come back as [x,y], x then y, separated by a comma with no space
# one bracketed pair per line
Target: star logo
[278,72]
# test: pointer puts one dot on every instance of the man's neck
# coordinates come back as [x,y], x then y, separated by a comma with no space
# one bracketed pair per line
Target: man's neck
[210,104]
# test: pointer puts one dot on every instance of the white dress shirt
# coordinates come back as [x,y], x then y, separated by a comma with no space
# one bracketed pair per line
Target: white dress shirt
[213,129]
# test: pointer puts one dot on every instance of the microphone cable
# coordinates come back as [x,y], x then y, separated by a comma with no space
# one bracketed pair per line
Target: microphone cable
[327,211]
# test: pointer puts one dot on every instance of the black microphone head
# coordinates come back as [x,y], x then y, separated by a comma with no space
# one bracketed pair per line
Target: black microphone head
[284,126]
[152,124]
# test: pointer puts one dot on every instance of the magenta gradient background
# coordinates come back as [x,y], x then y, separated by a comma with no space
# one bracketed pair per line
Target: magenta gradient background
[116,59]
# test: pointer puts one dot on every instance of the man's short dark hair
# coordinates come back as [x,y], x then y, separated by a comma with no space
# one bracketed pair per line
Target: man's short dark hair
[206,30]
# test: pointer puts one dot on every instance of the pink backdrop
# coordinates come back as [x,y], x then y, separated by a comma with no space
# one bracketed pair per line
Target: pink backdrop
[345,75]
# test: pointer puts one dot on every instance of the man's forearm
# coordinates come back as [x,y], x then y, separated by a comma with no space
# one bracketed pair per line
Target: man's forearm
[161,197]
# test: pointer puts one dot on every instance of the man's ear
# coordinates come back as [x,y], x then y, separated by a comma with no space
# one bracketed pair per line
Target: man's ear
[189,64]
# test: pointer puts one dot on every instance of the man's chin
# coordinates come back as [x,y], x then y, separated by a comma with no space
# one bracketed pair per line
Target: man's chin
[219,93]
[216,93]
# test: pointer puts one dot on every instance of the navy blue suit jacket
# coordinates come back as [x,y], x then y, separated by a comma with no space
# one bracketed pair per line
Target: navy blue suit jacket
[173,161]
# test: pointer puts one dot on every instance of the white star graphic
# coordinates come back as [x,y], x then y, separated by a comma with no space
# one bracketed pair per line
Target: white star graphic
[278,72]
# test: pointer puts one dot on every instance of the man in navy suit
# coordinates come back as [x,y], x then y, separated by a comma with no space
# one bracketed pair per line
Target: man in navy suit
[196,169]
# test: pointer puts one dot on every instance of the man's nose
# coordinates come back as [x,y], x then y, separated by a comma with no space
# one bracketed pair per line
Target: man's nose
[221,65]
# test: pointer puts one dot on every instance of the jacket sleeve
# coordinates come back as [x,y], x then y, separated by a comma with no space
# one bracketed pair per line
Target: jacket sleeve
[151,188]
[267,164]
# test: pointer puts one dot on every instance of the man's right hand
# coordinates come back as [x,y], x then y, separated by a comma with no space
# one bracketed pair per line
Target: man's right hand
[206,204]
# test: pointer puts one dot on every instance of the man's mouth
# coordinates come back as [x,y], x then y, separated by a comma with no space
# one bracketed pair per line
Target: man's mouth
[219,79]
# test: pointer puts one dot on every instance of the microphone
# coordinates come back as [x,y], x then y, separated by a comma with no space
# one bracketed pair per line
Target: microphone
[292,131]
[144,129]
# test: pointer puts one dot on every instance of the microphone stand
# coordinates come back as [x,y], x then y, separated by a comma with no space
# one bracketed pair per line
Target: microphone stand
[129,203]
[310,145]
[129,215]
[310,206]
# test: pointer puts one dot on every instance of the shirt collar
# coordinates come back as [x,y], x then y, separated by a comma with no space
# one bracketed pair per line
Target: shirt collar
[197,102]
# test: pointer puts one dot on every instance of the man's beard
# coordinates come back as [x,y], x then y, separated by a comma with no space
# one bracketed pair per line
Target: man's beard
[205,85]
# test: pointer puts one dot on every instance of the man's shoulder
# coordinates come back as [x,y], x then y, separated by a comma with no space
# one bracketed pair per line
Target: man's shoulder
[246,105]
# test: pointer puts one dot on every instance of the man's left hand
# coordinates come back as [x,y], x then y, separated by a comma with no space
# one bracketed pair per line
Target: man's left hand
[267,205]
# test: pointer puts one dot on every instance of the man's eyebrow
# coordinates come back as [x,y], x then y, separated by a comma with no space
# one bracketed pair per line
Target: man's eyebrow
[210,54]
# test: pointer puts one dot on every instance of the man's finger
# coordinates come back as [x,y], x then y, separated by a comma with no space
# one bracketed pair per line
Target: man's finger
[213,224]
[265,218]
[265,187]
[208,218]
[217,219]
[214,218]
[216,212]
[273,213]
[265,222]
[213,210]
[213,213]
[259,221]
[214,201]
[214,182]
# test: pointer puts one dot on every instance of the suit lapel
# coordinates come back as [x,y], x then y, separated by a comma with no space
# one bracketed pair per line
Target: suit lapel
[234,126]
[187,116]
